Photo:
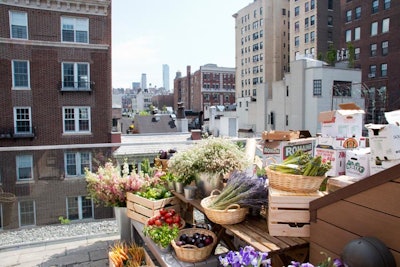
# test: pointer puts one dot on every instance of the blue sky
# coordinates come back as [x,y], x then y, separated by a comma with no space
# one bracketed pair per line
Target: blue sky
[149,33]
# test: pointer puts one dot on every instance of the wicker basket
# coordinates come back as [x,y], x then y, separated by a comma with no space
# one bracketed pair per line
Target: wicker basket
[191,253]
[293,182]
[231,215]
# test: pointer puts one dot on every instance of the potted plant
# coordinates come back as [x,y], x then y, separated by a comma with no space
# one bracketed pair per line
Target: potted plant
[207,162]
[161,235]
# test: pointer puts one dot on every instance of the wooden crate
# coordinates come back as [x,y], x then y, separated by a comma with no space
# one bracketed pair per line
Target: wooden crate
[148,260]
[288,213]
[141,209]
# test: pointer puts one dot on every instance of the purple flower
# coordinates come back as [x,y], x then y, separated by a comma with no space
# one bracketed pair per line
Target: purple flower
[338,263]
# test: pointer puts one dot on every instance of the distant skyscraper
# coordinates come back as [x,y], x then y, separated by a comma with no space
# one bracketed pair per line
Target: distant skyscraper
[144,81]
[135,85]
[165,71]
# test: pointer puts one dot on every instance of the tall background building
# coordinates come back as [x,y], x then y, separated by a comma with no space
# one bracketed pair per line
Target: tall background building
[165,71]
[144,81]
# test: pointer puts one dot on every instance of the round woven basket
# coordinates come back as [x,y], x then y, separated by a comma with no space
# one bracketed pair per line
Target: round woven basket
[293,182]
[191,253]
[231,215]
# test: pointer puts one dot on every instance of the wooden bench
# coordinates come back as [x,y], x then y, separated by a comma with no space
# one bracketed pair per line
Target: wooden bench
[254,231]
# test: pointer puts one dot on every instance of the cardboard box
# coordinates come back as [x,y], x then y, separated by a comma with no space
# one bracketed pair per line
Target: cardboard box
[141,209]
[345,122]
[384,140]
[280,150]
[376,165]
[280,135]
[336,183]
[288,213]
[341,142]
[357,162]
[337,157]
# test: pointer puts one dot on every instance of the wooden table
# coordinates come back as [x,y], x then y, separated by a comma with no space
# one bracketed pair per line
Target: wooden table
[254,231]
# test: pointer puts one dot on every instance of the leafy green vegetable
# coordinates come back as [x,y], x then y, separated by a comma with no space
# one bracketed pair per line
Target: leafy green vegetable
[161,235]
[155,192]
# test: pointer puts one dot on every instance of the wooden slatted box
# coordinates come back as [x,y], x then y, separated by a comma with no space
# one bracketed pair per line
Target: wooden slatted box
[141,209]
[288,213]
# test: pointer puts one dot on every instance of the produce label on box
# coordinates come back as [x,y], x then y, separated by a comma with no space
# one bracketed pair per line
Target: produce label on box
[280,150]
[337,157]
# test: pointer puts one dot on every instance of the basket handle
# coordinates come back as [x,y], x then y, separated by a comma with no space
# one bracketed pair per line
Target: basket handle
[215,191]
[271,159]
[232,206]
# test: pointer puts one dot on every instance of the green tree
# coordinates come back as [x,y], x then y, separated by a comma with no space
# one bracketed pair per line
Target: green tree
[351,54]
[331,55]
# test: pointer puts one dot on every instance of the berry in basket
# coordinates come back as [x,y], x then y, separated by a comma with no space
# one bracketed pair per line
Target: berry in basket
[197,239]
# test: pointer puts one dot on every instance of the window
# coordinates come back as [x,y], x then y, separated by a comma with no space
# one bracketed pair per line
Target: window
[358,12]
[296,10]
[357,33]
[306,6]
[372,71]
[75,30]
[76,162]
[312,20]
[330,21]
[341,88]
[287,120]
[357,53]
[317,87]
[296,26]
[306,38]
[21,79]
[296,41]
[306,22]
[312,36]
[27,213]
[386,4]
[75,75]
[312,4]
[76,119]
[385,48]
[385,25]
[373,50]
[348,36]
[330,4]
[24,167]
[79,208]
[22,120]
[348,15]
[375,6]
[18,25]
[384,69]
[374,28]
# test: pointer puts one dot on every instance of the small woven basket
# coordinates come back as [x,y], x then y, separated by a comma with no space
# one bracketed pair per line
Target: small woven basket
[230,215]
[293,182]
[191,253]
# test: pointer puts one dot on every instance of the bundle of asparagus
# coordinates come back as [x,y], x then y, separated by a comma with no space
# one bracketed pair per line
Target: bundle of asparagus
[302,163]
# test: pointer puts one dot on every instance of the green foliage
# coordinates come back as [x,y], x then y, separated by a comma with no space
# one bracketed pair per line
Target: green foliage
[331,55]
[161,235]
[64,220]
[351,55]
[155,192]
[144,113]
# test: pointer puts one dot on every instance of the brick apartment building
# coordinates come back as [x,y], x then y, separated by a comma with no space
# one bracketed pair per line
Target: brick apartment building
[55,89]
[372,28]
[209,86]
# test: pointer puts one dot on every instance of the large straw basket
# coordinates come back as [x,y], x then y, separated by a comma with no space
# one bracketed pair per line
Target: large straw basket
[230,215]
[191,253]
[293,182]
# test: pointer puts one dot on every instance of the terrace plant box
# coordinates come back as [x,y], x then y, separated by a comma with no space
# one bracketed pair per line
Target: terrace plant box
[141,209]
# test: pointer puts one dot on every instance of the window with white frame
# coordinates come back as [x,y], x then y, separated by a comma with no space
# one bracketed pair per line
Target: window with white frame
[22,120]
[373,50]
[76,163]
[75,30]
[385,48]
[306,38]
[384,69]
[24,164]
[26,213]
[297,11]
[312,36]
[18,25]
[357,53]
[357,33]
[348,35]
[79,208]
[76,119]
[358,12]
[20,75]
[312,4]
[375,6]
[348,15]
[75,75]
[306,22]
[385,25]
[296,41]
[374,28]
[386,4]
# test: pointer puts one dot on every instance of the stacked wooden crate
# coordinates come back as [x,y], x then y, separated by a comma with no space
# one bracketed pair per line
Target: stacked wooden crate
[141,209]
[288,212]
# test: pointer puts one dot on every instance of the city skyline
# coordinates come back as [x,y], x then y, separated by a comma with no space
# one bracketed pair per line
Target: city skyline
[177,34]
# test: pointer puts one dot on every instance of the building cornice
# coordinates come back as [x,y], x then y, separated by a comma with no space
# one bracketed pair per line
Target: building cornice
[88,7]
[53,44]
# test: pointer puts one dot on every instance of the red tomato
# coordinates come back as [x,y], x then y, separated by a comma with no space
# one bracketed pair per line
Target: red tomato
[172,211]
[158,222]
[169,220]
[176,219]
[163,211]
[151,221]
[168,215]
